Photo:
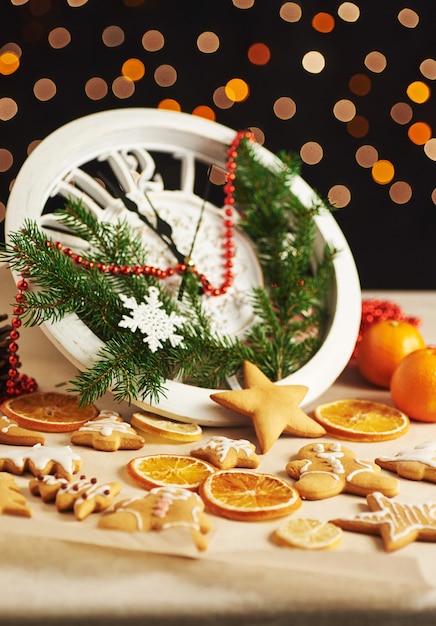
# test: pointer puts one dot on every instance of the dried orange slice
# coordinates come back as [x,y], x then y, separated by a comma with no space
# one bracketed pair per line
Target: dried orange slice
[48,411]
[175,431]
[361,420]
[163,470]
[248,496]
[308,534]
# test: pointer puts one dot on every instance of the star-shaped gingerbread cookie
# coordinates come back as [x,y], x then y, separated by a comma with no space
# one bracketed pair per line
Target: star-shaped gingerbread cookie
[398,523]
[272,407]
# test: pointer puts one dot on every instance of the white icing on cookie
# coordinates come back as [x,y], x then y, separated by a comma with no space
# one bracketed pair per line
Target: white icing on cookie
[223,445]
[422,453]
[106,423]
[41,456]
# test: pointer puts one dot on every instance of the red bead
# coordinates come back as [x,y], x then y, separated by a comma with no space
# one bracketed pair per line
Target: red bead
[20,298]
[14,335]
[22,285]
[125,270]
[170,271]
[13,360]
[102,267]
[68,251]
[229,254]
[12,373]
[16,322]
[18,310]
[13,347]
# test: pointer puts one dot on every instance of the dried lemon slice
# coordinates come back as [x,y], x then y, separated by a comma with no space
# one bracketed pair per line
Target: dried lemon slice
[162,470]
[175,431]
[248,496]
[48,411]
[309,534]
[361,420]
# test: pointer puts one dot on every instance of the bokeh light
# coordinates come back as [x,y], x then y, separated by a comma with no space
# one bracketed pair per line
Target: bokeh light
[339,196]
[313,62]
[237,90]
[208,42]
[419,133]
[349,12]
[418,92]
[259,54]
[290,12]
[9,63]
[323,22]
[383,171]
[133,69]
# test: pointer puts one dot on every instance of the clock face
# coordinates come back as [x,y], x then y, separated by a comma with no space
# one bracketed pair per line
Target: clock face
[141,186]
[152,169]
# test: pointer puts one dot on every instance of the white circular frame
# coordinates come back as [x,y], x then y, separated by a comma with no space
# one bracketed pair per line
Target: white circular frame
[79,141]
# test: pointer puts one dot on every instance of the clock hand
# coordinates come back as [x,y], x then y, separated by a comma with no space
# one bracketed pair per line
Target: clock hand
[188,259]
[162,228]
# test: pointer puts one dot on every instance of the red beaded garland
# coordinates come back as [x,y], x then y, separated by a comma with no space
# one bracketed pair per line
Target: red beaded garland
[17,383]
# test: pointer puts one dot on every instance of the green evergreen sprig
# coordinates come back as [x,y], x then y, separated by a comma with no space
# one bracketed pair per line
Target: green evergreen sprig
[290,308]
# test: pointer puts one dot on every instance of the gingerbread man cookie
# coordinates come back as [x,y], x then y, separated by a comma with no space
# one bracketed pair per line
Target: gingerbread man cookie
[108,432]
[226,453]
[416,464]
[12,502]
[40,460]
[162,508]
[13,434]
[82,496]
[326,469]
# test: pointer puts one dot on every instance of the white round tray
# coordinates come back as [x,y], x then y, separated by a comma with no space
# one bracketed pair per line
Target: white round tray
[44,173]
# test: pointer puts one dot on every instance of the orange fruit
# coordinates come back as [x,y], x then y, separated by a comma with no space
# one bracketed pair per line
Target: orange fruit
[361,420]
[383,346]
[248,496]
[413,385]
[163,470]
[48,411]
[309,534]
[168,429]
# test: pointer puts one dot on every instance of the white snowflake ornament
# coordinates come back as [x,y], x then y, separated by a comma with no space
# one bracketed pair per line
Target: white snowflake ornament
[152,320]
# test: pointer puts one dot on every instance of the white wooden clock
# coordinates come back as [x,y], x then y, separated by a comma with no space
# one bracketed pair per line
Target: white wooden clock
[160,159]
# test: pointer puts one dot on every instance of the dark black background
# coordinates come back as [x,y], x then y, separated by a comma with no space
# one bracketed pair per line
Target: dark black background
[393,244]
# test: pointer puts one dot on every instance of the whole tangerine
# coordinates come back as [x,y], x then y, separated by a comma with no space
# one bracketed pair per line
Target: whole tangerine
[383,346]
[413,385]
